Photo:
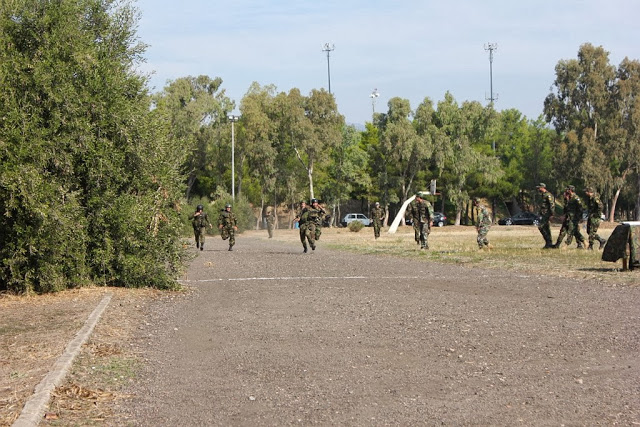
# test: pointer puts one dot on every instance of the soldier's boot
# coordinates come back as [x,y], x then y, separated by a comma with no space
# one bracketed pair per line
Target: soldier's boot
[305,249]
[602,242]
[202,246]
[580,246]
[313,247]
[230,247]
[197,245]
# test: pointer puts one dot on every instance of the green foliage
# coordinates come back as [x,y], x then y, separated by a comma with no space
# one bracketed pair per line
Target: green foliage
[241,208]
[88,180]
[355,226]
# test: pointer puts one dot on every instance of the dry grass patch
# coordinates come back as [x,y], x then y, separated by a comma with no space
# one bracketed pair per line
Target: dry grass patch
[517,248]
[34,332]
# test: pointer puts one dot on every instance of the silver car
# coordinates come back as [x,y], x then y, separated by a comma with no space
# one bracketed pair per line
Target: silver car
[350,217]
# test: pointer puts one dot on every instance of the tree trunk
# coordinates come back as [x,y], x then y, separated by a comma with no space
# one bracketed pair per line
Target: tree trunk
[386,216]
[190,181]
[458,216]
[612,213]
[637,214]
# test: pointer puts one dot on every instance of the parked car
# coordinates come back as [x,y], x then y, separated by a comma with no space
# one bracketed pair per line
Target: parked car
[521,218]
[350,217]
[439,220]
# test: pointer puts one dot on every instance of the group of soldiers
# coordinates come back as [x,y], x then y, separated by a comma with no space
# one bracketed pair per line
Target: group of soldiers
[573,212]
[421,214]
[310,220]
[226,224]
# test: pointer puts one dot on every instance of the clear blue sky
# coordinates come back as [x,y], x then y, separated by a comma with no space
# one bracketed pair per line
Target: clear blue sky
[412,49]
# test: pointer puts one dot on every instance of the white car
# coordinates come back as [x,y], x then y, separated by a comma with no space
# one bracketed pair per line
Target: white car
[350,217]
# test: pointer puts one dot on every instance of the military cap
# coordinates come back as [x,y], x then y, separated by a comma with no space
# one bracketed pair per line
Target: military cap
[571,188]
[314,201]
[228,205]
[589,190]
[541,185]
[418,194]
[377,203]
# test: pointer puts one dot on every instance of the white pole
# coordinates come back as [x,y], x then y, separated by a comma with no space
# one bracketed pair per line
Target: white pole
[396,222]
[233,162]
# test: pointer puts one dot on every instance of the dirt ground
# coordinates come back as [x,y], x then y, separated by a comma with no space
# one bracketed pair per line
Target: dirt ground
[267,335]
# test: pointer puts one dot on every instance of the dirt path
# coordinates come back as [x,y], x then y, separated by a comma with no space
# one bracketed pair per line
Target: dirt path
[271,336]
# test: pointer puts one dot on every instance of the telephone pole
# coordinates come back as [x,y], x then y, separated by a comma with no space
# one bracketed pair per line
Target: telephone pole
[328,47]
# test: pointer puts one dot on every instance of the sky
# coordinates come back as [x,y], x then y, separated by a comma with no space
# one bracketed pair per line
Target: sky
[410,49]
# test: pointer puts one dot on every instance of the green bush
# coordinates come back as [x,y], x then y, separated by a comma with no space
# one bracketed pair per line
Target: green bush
[355,226]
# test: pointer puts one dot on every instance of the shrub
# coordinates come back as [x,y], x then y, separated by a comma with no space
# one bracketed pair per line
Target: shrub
[355,226]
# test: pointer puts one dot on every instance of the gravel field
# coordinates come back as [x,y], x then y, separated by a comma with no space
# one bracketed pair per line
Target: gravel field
[267,335]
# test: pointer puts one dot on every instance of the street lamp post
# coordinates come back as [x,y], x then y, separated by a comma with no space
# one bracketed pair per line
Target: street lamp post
[233,119]
[373,97]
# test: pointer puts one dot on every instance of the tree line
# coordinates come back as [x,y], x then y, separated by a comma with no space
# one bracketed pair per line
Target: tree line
[97,174]
[290,146]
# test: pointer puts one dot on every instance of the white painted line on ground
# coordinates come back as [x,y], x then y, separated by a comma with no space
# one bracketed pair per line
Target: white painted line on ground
[247,279]
[33,410]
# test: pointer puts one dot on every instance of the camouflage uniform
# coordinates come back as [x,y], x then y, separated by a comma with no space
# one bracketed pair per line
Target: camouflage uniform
[227,225]
[546,212]
[271,221]
[422,217]
[377,216]
[483,225]
[565,223]
[200,222]
[318,216]
[594,206]
[574,213]
[303,221]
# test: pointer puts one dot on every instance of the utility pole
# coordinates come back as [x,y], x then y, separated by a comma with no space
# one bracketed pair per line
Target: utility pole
[233,119]
[491,47]
[328,47]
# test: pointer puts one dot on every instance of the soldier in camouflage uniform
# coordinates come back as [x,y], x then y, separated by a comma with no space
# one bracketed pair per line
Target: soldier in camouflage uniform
[546,212]
[318,217]
[413,213]
[565,222]
[302,223]
[200,221]
[574,213]
[227,226]
[377,216]
[271,221]
[422,217]
[483,224]
[309,219]
[594,206]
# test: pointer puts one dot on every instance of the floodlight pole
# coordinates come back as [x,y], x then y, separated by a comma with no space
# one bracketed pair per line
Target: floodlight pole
[373,97]
[328,47]
[233,119]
